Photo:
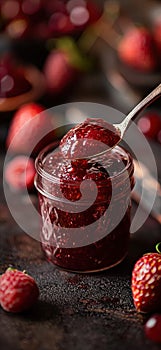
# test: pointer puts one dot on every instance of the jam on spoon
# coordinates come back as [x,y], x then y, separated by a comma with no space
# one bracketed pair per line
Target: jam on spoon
[96,136]
[91,137]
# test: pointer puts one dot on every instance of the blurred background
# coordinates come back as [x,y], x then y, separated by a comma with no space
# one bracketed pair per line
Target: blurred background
[53,52]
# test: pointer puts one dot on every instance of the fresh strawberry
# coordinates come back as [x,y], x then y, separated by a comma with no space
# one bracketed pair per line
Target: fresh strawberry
[18,291]
[150,124]
[19,173]
[152,328]
[157,36]
[58,71]
[136,49]
[29,125]
[146,283]
[64,64]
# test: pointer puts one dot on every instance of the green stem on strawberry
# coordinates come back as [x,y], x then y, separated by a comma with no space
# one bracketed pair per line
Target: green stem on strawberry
[10,269]
[157,247]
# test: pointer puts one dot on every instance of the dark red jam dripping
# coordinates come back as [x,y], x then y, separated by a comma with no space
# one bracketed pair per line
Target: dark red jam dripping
[12,79]
[91,137]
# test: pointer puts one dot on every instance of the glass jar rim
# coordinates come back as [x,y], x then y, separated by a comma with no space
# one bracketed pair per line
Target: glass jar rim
[47,176]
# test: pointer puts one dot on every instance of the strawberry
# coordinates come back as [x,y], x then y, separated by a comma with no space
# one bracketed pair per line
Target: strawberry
[64,65]
[58,71]
[157,36]
[29,125]
[18,291]
[146,283]
[150,124]
[136,49]
[20,172]
[152,328]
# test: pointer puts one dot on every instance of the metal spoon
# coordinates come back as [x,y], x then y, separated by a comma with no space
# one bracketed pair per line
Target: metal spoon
[115,132]
[121,127]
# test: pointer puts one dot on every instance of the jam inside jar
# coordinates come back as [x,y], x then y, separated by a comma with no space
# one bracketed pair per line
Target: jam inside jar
[85,207]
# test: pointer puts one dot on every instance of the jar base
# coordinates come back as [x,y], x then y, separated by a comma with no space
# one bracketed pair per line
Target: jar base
[89,271]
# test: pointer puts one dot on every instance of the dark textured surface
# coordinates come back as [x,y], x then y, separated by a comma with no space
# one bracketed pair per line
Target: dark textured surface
[74,312]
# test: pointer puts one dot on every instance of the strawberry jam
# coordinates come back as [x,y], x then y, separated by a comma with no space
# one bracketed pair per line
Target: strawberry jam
[85,208]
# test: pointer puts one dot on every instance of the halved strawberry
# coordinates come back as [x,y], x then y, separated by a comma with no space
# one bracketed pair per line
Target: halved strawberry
[19,173]
[146,283]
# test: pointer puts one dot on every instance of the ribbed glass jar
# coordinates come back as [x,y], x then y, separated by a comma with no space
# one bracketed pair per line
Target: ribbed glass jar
[85,207]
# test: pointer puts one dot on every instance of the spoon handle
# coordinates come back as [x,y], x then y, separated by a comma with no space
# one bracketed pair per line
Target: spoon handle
[156,93]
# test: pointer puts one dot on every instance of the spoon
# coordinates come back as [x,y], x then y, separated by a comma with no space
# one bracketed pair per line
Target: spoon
[121,128]
[116,132]
[109,134]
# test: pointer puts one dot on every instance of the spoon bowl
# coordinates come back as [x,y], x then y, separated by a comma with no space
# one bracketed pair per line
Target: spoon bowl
[82,140]
[118,130]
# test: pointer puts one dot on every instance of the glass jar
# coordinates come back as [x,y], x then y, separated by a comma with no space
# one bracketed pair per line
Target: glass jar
[85,207]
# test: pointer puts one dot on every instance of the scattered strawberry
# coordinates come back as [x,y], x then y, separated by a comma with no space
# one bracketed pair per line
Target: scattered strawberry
[152,328]
[29,125]
[150,124]
[146,283]
[18,291]
[20,172]
[136,49]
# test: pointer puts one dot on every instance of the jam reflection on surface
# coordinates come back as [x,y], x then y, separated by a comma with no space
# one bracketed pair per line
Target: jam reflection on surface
[91,137]
[98,220]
